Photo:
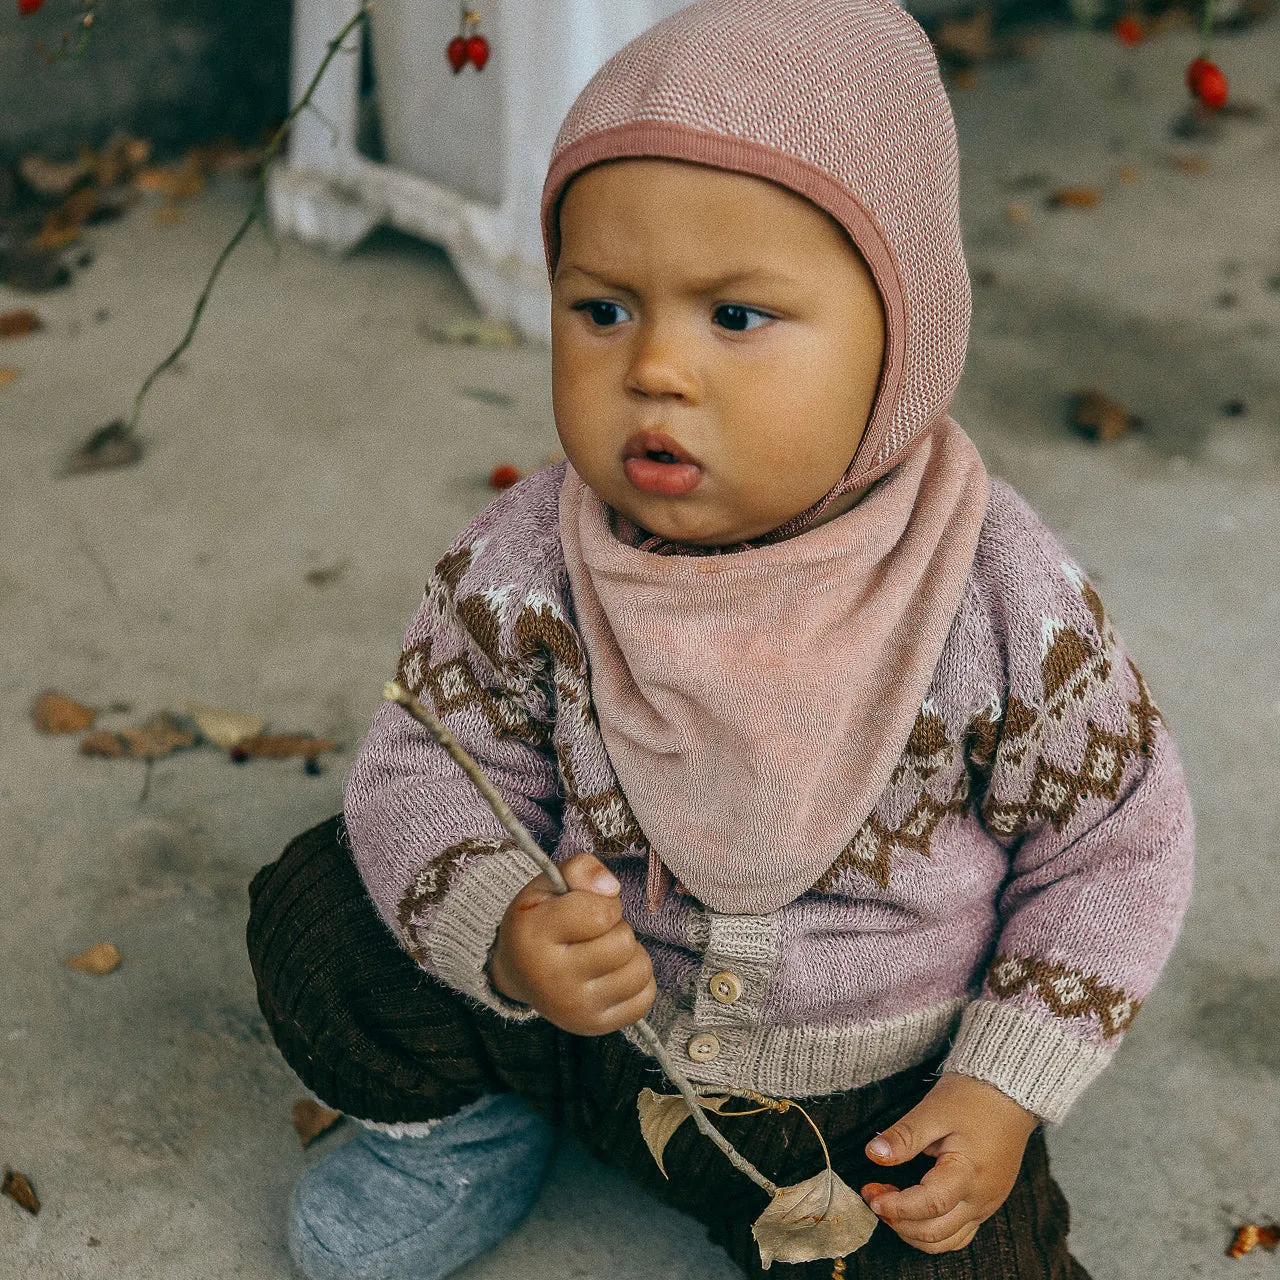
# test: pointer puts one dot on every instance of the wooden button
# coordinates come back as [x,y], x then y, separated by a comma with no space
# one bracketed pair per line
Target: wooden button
[726,987]
[704,1047]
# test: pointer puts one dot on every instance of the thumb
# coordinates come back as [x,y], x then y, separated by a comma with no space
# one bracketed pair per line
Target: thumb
[922,1126]
[586,871]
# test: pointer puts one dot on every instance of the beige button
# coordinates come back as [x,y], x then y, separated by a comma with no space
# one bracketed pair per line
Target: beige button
[726,987]
[703,1048]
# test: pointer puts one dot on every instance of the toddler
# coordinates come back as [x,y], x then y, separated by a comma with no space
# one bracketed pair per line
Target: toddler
[859,798]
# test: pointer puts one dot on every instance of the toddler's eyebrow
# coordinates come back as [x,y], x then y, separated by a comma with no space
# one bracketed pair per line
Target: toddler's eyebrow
[710,284]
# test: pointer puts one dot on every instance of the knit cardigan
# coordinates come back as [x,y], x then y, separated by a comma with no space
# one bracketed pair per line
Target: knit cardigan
[1014,892]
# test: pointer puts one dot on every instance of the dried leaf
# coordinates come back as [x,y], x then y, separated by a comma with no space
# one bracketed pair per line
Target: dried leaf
[17,1186]
[100,959]
[159,736]
[283,746]
[56,713]
[19,323]
[326,577]
[822,1217]
[310,1119]
[1075,198]
[102,742]
[1101,418]
[118,160]
[969,38]
[180,181]
[51,179]
[661,1114]
[62,225]
[111,446]
[8,375]
[225,729]
[476,332]
[1253,1236]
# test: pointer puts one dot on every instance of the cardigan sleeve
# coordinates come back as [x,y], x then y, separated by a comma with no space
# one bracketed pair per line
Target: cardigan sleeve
[1087,794]
[437,863]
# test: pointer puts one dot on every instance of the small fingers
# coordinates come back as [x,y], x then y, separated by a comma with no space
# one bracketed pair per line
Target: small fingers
[935,1231]
[937,1193]
[606,954]
[621,985]
[960,1240]
[578,916]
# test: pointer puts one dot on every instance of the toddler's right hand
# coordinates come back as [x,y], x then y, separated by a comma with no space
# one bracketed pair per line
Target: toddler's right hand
[572,956]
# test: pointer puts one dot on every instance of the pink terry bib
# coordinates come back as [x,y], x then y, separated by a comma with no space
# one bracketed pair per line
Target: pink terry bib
[754,704]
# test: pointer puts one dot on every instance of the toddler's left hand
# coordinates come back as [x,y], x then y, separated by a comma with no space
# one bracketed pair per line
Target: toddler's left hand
[978,1135]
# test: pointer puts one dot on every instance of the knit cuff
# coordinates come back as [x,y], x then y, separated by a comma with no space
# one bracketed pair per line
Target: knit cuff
[465,928]
[1041,1067]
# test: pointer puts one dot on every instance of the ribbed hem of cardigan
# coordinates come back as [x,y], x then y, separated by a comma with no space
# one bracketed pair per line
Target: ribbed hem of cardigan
[1039,1066]
[800,1061]
[463,932]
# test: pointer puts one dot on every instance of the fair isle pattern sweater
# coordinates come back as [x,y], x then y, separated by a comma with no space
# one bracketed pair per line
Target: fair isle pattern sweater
[1015,891]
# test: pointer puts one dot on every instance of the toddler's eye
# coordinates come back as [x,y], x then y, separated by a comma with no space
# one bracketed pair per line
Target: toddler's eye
[734,316]
[604,315]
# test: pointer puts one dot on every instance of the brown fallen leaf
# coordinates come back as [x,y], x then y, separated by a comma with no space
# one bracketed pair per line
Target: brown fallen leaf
[480,332]
[159,736]
[1254,1236]
[102,742]
[100,959]
[50,178]
[822,1217]
[56,713]
[8,375]
[111,446]
[19,323]
[225,729]
[1101,418]
[282,746]
[181,181]
[661,1114]
[17,1186]
[310,1119]
[62,225]
[968,38]
[326,577]
[1075,198]
[118,161]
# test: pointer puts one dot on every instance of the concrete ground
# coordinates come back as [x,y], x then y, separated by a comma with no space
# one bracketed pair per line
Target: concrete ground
[314,427]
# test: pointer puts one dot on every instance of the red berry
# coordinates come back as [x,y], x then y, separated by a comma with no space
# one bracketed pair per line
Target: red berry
[457,54]
[1129,30]
[1195,69]
[1211,88]
[478,52]
[26,7]
[504,476]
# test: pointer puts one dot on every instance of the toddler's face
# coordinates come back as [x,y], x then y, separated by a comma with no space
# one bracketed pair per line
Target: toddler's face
[716,345]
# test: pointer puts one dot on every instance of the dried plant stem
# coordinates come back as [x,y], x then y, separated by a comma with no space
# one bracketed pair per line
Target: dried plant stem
[255,212]
[397,693]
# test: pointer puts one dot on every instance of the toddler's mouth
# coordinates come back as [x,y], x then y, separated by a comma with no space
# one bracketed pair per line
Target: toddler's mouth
[654,463]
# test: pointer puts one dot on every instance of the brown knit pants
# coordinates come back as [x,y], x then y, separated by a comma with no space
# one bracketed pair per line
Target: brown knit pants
[374,1036]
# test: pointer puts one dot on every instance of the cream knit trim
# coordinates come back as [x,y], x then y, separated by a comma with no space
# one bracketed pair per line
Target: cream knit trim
[1040,1066]
[462,934]
[803,1061]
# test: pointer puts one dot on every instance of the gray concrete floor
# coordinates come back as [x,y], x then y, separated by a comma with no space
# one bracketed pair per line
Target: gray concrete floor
[314,426]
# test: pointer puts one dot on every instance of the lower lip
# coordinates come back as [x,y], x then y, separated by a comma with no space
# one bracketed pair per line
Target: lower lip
[667,479]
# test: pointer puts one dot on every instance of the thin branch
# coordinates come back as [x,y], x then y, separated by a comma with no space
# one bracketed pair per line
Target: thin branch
[256,210]
[397,693]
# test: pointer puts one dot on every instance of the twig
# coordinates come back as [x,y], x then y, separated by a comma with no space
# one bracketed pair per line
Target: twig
[397,693]
[255,212]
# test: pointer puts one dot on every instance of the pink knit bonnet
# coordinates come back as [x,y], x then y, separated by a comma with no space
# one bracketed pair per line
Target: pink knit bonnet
[840,101]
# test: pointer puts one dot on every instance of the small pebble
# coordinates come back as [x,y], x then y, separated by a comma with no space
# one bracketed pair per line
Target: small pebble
[1234,408]
[238,755]
[311,767]
[1228,299]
